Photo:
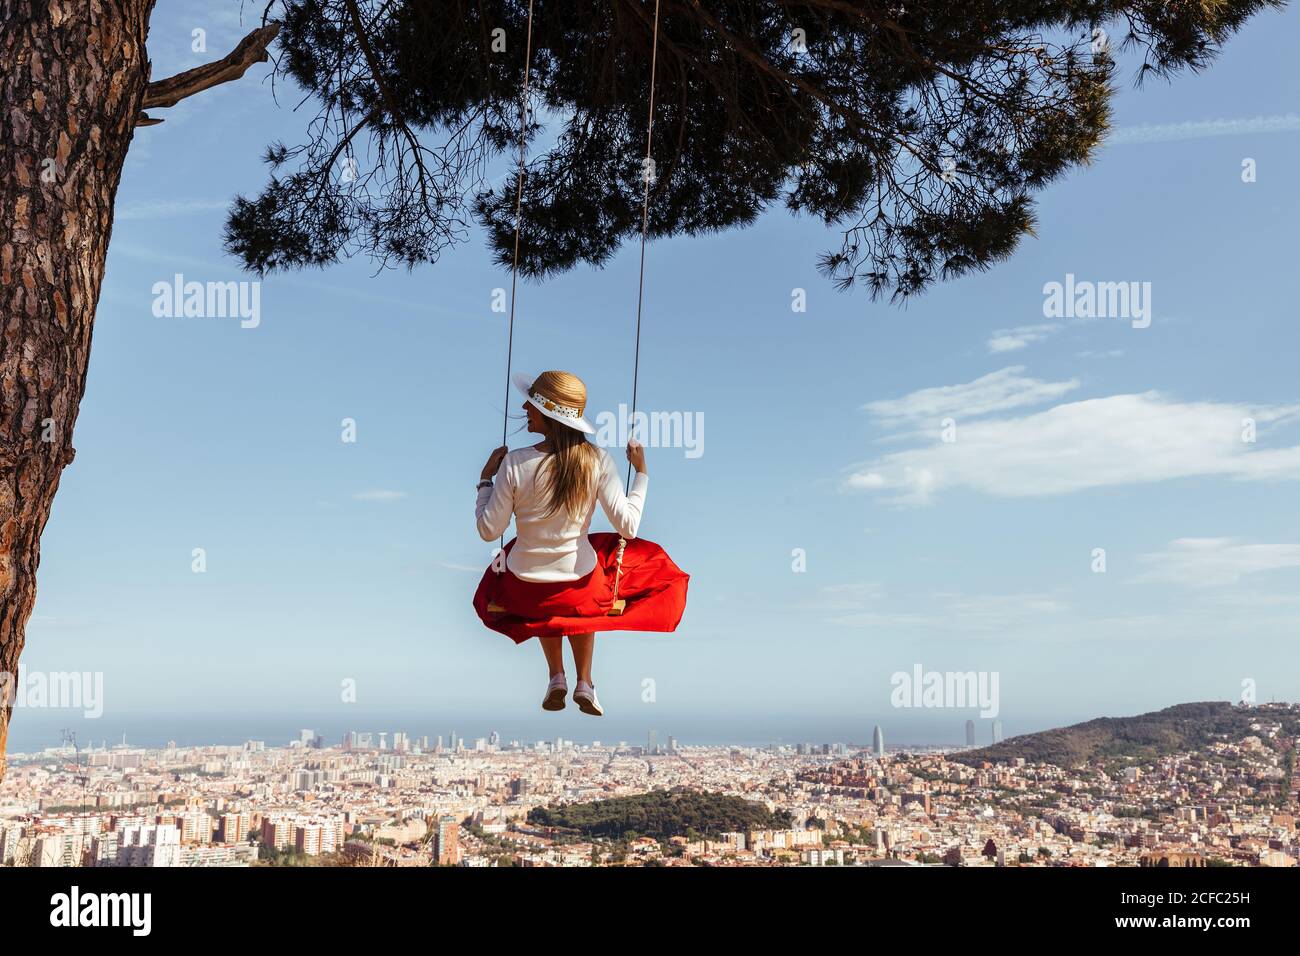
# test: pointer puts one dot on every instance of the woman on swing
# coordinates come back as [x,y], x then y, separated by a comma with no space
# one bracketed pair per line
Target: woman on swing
[555,579]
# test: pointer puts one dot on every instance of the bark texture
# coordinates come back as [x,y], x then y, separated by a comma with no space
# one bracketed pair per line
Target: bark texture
[73,80]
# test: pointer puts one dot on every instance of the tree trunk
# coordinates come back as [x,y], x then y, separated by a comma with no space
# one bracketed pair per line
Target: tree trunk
[73,80]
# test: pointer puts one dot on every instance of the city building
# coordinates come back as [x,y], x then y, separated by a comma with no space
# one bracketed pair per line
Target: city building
[446,842]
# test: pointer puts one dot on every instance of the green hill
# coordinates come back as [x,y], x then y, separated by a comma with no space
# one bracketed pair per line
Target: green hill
[660,814]
[1176,729]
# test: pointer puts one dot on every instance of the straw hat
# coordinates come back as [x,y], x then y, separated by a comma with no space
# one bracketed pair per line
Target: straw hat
[560,396]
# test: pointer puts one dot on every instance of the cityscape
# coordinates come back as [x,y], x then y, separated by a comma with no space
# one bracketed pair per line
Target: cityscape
[381,798]
[356,369]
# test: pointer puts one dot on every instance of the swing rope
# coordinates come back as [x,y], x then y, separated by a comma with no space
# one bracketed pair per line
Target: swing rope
[519,198]
[645,216]
[619,604]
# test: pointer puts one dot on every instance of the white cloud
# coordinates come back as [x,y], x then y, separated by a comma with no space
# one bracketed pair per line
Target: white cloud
[995,392]
[379,494]
[949,612]
[1202,129]
[1011,340]
[453,566]
[1101,442]
[1209,562]
[848,597]
[168,208]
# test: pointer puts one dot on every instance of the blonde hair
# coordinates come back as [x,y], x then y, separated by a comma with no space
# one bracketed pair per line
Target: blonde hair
[573,461]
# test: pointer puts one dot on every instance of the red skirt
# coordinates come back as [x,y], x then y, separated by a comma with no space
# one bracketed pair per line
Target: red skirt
[653,587]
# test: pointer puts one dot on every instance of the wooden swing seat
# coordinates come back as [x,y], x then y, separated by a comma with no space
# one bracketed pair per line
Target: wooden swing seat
[619,605]
[618,608]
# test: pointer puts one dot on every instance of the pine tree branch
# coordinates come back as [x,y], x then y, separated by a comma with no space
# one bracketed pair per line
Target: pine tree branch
[394,113]
[169,92]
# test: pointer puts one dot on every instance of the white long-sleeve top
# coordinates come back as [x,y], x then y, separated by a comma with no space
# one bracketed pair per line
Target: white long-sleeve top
[555,547]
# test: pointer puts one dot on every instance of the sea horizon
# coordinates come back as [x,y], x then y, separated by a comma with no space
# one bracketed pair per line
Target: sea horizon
[32,734]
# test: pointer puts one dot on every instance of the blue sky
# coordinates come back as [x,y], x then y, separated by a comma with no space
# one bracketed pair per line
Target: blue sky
[329,561]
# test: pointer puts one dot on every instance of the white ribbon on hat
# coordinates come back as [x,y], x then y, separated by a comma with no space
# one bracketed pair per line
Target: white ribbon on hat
[546,404]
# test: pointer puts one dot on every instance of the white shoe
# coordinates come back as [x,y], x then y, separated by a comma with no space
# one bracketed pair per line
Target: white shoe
[556,691]
[584,695]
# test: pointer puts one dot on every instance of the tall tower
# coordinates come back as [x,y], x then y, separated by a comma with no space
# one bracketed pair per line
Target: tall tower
[446,842]
[878,741]
[970,733]
[997,731]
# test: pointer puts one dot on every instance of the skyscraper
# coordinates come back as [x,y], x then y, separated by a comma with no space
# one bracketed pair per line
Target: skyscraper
[446,842]
[878,741]
[997,731]
[970,733]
